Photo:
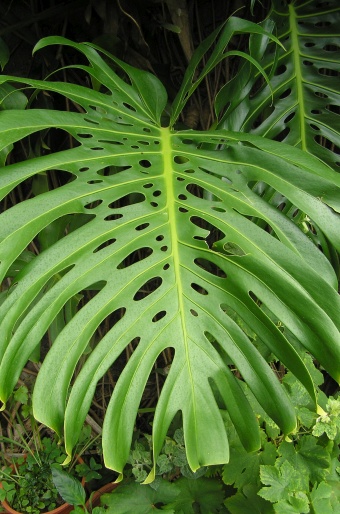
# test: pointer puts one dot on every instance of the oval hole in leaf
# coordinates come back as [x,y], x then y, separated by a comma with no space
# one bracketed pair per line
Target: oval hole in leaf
[91,121]
[112,170]
[93,205]
[113,217]
[149,287]
[199,289]
[128,106]
[282,135]
[329,72]
[326,143]
[116,316]
[104,245]
[145,163]
[135,256]
[331,48]
[314,127]
[289,117]
[333,108]
[85,136]
[179,159]
[110,142]
[280,69]
[158,316]
[210,267]
[201,192]
[129,199]
[84,168]
[255,299]
[94,181]
[285,94]
[98,109]
[214,233]
[142,226]
[194,313]
[320,94]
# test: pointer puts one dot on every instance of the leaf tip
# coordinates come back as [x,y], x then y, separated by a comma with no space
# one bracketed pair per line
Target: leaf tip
[119,478]
[67,460]
[150,478]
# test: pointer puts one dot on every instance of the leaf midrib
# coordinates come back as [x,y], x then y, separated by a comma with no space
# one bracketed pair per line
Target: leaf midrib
[171,202]
[298,75]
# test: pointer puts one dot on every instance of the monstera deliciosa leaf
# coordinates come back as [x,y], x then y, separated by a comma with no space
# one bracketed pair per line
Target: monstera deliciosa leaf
[159,228]
[300,103]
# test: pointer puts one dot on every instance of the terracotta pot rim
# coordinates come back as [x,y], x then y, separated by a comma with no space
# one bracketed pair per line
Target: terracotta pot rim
[95,500]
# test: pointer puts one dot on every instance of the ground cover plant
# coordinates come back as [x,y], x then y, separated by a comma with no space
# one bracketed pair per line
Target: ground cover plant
[213,250]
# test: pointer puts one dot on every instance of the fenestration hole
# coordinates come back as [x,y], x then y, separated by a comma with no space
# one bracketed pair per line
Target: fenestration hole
[199,289]
[158,316]
[145,163]
[148,288]
[179,159]
[142,226]
[135,256]
[113,217]
[210,267]
[104,245]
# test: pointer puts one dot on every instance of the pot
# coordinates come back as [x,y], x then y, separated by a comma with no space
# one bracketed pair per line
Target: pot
[95,500]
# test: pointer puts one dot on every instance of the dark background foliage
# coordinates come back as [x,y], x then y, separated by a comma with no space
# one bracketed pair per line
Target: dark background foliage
[155,35]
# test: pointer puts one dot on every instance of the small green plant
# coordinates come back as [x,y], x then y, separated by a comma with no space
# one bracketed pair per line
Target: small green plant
[171,462]
[73,492]
[298,475]
[27,484]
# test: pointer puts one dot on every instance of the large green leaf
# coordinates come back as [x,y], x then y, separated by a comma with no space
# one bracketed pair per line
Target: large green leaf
[301,104]
[159,227]
[301,107]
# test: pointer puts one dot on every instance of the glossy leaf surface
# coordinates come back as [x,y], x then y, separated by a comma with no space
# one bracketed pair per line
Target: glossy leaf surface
[159,224]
